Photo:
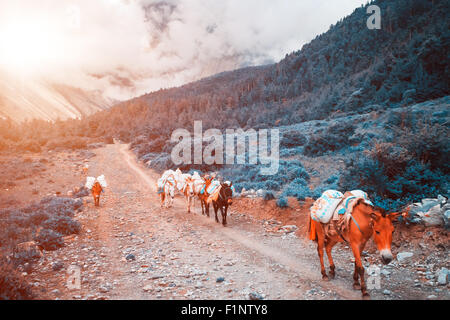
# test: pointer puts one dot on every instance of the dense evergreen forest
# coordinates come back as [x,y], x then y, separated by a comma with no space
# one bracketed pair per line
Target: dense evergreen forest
[347,69]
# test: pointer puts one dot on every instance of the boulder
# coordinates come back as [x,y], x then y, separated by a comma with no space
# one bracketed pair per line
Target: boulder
[446,217]
[442,200]
[403,257]
[430,212]
[433,217]
[442,276]
[220,279]
[255,296]
[130,257]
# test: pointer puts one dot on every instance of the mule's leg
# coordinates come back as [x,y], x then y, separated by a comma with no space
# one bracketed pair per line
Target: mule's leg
[328,247]
[363,283]
[188,204]
[207,208]
[221,212]
[201,202]
[361,273]
[161,198]
[356,285]
[359,270]
[224,215]
[320,246]
[167,196]
[216,208]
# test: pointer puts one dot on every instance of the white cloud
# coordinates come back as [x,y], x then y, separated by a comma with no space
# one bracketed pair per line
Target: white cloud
[127,48]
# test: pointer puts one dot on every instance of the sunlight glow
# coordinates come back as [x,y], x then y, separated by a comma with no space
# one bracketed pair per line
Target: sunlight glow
[27,46]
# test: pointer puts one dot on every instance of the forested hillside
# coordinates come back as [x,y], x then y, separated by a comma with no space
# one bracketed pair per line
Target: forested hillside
[347,69]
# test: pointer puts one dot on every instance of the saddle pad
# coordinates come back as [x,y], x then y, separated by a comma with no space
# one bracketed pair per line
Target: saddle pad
[89,182]
[162,182]
[323,208]
[101,179]
[160,185]
[196,176]
[212,188]
[362,194]
[351,198]
[215,195]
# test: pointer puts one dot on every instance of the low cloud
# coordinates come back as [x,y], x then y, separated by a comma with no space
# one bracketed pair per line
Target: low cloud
[127,48]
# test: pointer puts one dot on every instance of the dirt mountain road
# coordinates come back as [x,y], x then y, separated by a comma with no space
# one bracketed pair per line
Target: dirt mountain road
[130,248]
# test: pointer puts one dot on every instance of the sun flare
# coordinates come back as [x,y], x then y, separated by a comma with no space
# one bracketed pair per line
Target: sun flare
[27,46]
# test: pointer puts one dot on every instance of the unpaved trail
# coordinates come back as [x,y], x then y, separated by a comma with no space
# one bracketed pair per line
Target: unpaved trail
[305,269]
[173,254]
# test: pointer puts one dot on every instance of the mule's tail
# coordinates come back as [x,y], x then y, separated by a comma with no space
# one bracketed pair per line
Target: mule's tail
[311,229]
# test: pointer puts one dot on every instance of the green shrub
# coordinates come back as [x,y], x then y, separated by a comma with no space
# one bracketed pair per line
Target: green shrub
[268,195]
[427,143]
[282,202]
[292,139]
[335,138]
[72,143]
[12,284]
[49,240]
[62,224]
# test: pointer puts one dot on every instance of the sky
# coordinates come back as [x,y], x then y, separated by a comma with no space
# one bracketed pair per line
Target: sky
[127,48]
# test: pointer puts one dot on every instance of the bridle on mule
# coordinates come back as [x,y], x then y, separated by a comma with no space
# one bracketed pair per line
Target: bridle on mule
[220,193]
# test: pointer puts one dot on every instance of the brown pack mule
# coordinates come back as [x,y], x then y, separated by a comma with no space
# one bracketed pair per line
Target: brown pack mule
[367,221]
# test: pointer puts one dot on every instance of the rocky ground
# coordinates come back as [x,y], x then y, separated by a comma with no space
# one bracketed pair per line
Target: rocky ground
[130,248]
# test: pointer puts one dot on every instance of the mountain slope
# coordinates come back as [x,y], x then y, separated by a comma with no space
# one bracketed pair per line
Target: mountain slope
[22,100]
[347,69]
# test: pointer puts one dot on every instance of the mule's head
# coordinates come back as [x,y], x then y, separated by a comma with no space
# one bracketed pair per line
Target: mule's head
[170,186]
[227,193]
[189,187]
[96,190]
[383,229]
[208,179]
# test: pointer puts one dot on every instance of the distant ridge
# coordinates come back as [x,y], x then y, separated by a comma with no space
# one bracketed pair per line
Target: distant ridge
[26,100]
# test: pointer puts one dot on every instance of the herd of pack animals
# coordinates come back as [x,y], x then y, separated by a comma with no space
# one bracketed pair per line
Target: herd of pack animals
[334,217]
